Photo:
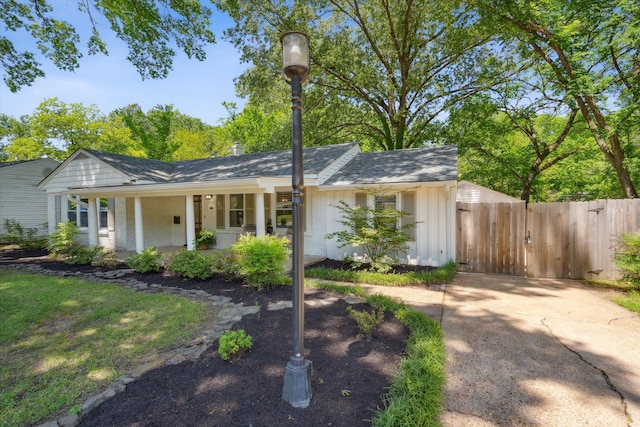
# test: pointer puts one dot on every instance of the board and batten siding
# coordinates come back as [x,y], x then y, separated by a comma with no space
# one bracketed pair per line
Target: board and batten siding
[435,231]
[315,242]
[20,200]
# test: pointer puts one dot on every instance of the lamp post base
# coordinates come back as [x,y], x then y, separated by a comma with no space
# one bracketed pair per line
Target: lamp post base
[297,384]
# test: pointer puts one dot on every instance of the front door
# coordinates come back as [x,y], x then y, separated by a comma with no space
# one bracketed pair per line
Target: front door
[197,212]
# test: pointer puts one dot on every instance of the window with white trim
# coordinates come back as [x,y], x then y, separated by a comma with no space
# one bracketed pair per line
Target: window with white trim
[242,210]
[284,209]
[77,211]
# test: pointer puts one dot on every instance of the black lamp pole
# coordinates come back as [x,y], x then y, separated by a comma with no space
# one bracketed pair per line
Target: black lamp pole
[297,375]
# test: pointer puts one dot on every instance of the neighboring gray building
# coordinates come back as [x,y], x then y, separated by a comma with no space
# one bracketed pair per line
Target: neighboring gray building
[20,200]
[129,203]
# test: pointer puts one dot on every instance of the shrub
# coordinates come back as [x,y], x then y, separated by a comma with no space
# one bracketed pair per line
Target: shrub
[377,231]
[82,255]
[189,264]
[224,261]
[261,260]
[627,257]
[63,240]
[232,344]
[145,261]
[18,235]
[105,258]
[205,239]
[367,322]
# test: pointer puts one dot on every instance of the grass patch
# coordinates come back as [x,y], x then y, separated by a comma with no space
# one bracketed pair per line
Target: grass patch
[415,398]
[443,274]
[615,285]
[629,300]
[63,339]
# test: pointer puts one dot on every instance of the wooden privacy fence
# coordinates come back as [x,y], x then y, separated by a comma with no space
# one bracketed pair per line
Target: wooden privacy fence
[572,240]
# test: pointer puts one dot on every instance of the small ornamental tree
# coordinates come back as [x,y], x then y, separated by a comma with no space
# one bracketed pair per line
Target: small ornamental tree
[377,231]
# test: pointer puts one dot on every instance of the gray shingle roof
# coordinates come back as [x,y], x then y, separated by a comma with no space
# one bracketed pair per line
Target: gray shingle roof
[400,166]
[136,167]
[273,163]
[17,162]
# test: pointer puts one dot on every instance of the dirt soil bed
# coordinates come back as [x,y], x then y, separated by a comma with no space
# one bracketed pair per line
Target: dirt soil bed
[350,373]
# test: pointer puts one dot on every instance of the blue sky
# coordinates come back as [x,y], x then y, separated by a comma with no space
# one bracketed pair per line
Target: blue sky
[194,88]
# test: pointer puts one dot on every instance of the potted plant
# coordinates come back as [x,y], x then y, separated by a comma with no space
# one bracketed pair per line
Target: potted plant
[205,239]
[269,226]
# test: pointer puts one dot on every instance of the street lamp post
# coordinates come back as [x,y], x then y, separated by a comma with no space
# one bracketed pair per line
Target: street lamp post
[297,374]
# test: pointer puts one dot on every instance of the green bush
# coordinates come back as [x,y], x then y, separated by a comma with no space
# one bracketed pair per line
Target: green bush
[377,231]
[627,257]
[261,260]
[145,261]
[189,264]
[105,258]
[232,344]
[224,261]
[367,322]
[23,237]
[205,239]
[63,240]
[82,255]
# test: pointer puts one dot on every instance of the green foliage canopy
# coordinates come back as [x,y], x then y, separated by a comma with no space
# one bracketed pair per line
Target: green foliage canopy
[381,71]
[152,29]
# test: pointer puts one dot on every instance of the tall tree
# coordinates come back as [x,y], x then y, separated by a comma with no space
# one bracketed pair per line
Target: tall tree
[509,148]
[381,70]
[590,51]
[156,133]
[55,129]
[152,29]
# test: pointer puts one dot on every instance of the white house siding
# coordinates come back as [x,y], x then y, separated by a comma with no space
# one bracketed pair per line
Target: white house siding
[20,199]
[157,218]
[84,172]
[435,231]
[316,222]
[333,218]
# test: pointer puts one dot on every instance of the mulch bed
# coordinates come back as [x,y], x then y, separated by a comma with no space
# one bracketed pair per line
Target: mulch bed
[350,373]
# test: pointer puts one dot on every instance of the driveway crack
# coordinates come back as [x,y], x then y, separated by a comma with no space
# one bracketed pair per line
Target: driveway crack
[612,386]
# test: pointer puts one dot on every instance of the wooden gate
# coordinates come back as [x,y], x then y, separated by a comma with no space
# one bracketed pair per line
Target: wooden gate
[555,240]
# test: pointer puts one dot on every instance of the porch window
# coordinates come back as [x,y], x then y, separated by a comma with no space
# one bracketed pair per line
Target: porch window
[242,210]
[236,210]
[284,211]
[77,212]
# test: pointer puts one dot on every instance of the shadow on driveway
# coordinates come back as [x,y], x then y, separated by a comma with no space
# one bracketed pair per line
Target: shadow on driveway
[538,352]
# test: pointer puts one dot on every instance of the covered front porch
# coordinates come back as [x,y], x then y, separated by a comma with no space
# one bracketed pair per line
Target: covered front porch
[171,220]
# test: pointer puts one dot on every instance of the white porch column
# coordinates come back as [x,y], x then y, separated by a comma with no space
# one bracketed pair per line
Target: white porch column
[260,220]
[92,214]
[137,213]
[191,222]
[53,202]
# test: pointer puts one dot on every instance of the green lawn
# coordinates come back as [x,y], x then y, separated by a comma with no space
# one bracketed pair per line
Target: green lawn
[629,300]
[626,295]
[63,339]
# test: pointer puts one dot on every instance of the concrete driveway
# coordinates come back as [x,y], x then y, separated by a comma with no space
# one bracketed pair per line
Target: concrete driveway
[538,352]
